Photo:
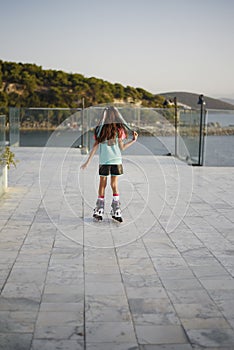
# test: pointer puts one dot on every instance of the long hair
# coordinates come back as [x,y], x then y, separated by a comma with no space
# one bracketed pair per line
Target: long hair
[110,126]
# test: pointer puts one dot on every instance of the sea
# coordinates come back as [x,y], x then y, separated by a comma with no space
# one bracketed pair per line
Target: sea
[218,150]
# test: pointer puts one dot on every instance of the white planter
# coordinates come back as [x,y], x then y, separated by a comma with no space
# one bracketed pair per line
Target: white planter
[5,177]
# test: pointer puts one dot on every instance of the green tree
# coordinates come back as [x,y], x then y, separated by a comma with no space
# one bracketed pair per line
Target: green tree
[3,99]
[29,81]
[118,91]
[0,74]
[131,93]
[34,86]
[11,72]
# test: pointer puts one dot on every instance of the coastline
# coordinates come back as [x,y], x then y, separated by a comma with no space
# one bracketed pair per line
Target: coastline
[227,131]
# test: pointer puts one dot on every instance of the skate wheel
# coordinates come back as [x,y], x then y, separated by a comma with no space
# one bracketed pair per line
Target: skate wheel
[97,218]
[118,218]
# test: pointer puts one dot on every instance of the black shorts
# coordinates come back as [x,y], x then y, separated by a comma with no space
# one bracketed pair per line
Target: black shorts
[110,169]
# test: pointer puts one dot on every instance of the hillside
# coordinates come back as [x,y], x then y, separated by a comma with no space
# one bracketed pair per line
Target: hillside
[29,85]
[191,99]
[228,100]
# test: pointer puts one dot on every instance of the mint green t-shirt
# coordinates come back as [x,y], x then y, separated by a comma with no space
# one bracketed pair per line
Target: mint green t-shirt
[109,152]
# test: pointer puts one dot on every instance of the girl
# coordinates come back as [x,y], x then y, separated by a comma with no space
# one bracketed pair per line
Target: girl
[109,136]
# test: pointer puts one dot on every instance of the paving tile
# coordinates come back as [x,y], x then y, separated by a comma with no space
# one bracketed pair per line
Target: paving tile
[39,344]
[176,273]
[211,337]
[197,347]
[51,332]
[107,314]
[219,283]
[164,263]
[60,288]
[170,253]
[194,296]
[144,294]
[156,319]
[102,269]
[231,322]
[17,321]
[112,346]
[59,306]
[221,294]
[160,334]
[205,323]
[226,307]
[104,288]
[13,341]
[145,306]
[18,304]
[104,277]
[132,252]
[105,332]
[138,281]
[182,284]
[59,318]
[210,271]
[66,297]
[25,275]
[202,311]
[106,301]
[166,347]
[59,276]
[32,291]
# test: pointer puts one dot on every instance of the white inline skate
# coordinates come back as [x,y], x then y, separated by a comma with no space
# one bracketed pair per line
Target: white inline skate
[116,211]
[99,210]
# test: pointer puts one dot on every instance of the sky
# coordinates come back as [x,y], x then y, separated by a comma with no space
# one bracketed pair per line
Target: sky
[158,45]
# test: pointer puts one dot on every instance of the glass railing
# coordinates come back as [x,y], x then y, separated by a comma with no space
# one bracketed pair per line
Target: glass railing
[2,132]
[14,125]
[155,127]
[196,137]
[61,127]
[76,127]
[190,136]
[219,141]
[2,146]
[38,124]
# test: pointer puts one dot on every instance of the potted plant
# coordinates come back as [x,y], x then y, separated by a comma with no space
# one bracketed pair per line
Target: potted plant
[7,158]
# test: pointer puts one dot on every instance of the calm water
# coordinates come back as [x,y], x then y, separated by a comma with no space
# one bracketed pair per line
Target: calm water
[218,149]
[146,145]
[223,118]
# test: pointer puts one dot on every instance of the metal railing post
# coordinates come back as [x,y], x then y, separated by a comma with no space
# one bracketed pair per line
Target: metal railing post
[202,103]
[176,126]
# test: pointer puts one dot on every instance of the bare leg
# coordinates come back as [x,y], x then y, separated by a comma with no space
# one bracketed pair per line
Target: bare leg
[114,184]
[115,211]
[99,209]
[102,186]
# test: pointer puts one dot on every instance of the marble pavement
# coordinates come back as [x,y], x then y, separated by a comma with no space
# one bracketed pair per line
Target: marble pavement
[161,280]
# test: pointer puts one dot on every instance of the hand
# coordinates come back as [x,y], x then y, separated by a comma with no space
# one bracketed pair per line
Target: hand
[135,136]
[84,166]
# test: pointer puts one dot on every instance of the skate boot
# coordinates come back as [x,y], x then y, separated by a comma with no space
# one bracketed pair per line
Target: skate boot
[99,210]
[116,211]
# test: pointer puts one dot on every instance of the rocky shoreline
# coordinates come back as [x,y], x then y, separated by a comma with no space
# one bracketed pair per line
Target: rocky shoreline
[167,131]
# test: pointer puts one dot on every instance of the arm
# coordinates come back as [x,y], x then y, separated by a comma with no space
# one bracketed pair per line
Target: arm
[124,146]
[91,154]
